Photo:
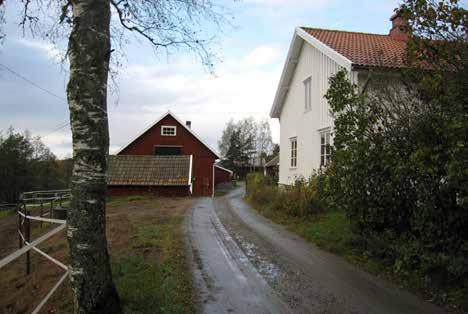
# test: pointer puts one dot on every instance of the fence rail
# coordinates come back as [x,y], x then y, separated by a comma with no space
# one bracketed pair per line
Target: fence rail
[35,200]
[6,207]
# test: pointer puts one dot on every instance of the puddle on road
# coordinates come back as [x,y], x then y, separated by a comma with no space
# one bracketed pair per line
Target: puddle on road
[267,269]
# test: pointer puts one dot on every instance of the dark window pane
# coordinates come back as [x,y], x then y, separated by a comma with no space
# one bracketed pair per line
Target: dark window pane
[167,150]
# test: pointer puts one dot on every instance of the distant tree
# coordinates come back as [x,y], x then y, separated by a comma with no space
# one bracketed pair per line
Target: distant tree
[96,30]
[233,153]
[224,141]
[274,152]
[263,141]
[16,155]
[255,137]
[238,153]
[27,164]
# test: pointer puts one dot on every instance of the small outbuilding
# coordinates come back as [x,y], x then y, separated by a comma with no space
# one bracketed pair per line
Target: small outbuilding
[222,175]
[167,158]
[271,168]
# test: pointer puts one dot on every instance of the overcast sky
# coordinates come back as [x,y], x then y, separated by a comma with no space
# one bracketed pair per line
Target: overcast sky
[244,84]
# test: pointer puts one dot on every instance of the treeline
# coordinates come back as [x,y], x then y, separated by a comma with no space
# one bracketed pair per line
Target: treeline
[27,164]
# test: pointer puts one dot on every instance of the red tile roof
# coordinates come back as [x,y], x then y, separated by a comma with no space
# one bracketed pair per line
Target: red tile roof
[362,48]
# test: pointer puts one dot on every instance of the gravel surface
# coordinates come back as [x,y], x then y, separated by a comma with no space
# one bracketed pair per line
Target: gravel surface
[240,254]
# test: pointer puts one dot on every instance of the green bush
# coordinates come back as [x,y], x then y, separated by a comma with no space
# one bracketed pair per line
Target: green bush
[396,171]
[298,200]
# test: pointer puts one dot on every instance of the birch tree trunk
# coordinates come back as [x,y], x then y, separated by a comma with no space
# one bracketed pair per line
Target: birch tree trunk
[89,53]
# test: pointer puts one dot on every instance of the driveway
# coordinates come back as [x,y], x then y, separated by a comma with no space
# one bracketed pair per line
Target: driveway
[246,264]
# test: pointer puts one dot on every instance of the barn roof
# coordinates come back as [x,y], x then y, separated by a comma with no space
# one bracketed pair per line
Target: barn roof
[170,113]
[149,170]
[223,169]
[273,162]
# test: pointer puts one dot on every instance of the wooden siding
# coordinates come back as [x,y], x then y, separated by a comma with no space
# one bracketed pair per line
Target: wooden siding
[305,125]
[125,190]
[222,176]
[203,158]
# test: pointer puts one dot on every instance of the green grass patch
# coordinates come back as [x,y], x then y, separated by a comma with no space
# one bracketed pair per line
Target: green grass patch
[332,232]
[146,287]
[116,200]
[148,236]
[155,277]
[6,213]
[220,193]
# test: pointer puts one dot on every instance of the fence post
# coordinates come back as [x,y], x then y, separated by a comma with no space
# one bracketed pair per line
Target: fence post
[42,211]
[28,239]
[52,208]
[20,240]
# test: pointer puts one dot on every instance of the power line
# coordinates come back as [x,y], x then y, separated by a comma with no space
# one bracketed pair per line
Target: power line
[58,127]
[32,83]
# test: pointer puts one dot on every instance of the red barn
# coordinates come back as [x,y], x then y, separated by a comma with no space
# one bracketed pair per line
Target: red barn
[168,158]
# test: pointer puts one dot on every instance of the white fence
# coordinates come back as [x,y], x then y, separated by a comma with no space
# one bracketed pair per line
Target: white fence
[47,203]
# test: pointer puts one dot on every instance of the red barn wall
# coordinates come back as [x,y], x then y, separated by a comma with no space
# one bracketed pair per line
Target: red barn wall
[123,190]
[222,176]
[203,158]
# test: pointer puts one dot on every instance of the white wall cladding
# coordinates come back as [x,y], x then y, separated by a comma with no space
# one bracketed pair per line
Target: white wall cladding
[296,122]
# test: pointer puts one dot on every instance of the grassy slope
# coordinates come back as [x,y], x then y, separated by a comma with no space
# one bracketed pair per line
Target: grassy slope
[331,231]
[6,213]
[155,277]
[148,256]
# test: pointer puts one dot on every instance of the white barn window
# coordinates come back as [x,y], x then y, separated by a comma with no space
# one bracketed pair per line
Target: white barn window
[294,152]
[307,94]
[325,148]
[168,130]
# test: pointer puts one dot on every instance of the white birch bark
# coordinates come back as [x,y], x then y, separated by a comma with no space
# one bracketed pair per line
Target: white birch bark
[89,52]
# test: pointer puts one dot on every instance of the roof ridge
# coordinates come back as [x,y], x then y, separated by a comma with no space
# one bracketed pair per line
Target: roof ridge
[175,117]
[342,31]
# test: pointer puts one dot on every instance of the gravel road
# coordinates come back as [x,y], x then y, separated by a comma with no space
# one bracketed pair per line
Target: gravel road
[244,263]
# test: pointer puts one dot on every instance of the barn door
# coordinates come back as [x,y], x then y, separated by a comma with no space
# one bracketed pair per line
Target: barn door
[206,186]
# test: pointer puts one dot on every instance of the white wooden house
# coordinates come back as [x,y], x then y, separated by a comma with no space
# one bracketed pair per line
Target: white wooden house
[306,123]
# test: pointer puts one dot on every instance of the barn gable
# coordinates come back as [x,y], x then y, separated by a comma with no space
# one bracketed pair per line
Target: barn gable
[142,144]
[167,140]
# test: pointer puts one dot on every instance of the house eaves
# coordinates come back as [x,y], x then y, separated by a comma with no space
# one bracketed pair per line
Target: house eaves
[300,36]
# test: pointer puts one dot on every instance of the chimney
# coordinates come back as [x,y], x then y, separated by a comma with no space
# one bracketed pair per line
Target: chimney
[188,124]
[400,27]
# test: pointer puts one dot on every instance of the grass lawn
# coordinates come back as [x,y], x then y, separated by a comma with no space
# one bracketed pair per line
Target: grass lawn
[6,213]
[150,265]
[332,232]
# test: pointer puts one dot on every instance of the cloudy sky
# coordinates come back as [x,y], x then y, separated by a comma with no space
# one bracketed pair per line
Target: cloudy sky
[252,54]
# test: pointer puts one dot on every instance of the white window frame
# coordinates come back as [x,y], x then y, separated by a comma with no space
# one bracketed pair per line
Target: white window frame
[293,153]
[307,93]
[168,127]
[325,147]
